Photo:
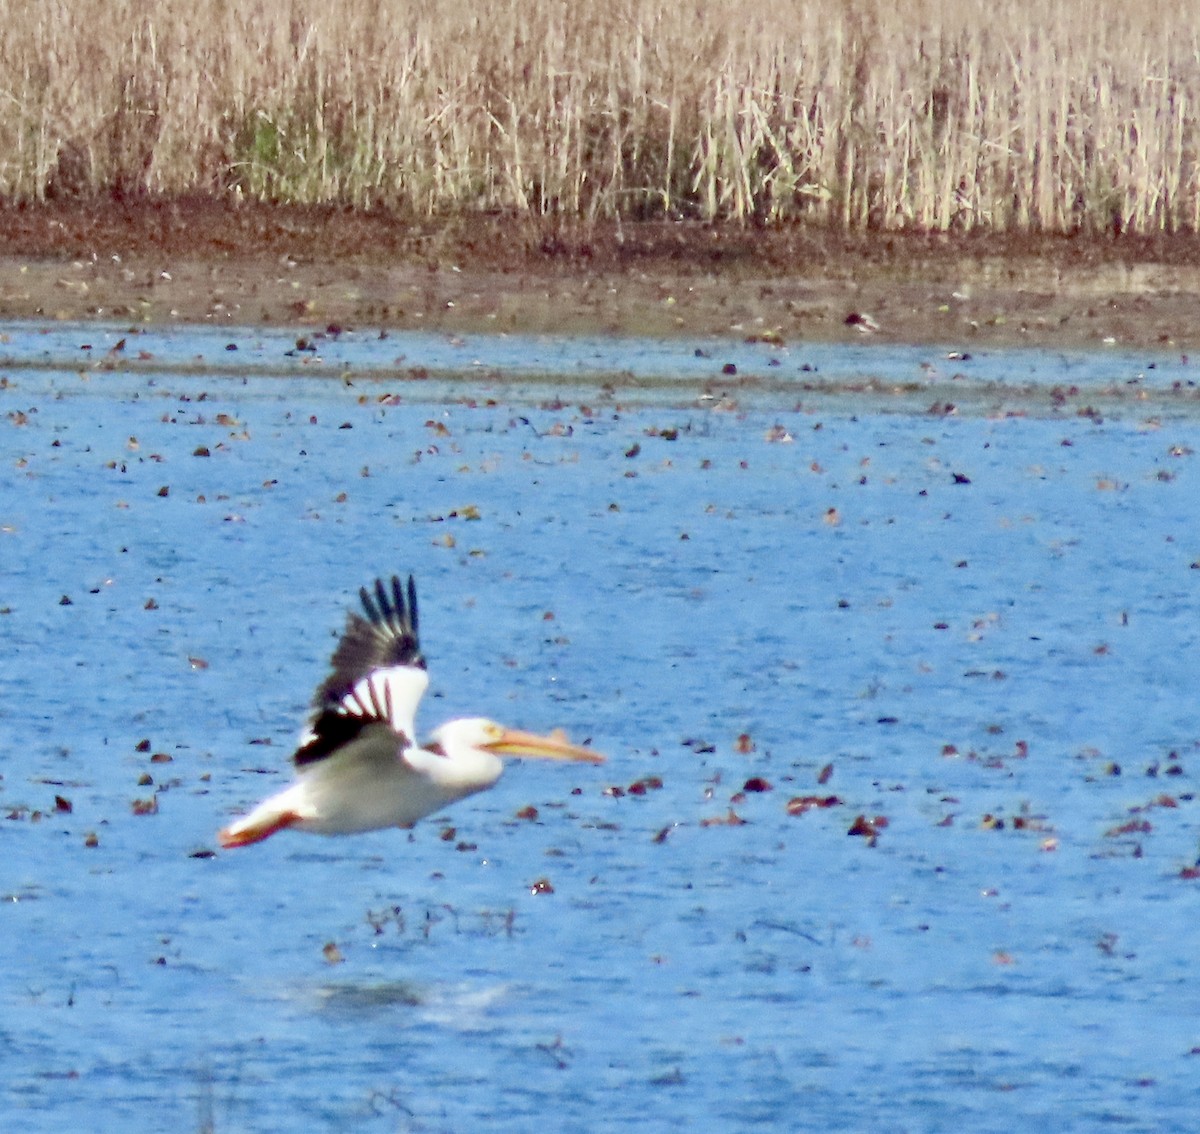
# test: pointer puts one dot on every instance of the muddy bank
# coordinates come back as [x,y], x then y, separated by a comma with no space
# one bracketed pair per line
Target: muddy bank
[200,262]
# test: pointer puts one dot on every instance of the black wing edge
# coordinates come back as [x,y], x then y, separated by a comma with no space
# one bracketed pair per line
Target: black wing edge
[386,637]
[331,730]
[335,727]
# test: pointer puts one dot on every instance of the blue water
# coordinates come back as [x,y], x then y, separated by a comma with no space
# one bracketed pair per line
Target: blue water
[697,368]
[982,616]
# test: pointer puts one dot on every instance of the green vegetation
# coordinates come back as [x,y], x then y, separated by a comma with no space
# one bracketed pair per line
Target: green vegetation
[1000,115]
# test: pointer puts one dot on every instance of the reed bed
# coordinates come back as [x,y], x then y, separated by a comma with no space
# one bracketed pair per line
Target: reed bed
[1001,115]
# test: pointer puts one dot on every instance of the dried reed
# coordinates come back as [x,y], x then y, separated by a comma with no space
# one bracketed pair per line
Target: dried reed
[1002,115]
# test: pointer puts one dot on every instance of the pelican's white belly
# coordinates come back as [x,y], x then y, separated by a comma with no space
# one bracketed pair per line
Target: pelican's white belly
[369,785]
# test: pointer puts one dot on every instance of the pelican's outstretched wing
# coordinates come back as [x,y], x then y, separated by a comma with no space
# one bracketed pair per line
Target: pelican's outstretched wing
[378,676]
[386,637]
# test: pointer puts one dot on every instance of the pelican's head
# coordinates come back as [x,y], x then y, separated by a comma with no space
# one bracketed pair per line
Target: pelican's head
[482,735]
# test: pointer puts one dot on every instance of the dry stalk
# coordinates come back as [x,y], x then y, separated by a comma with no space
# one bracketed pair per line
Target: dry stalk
[992,114]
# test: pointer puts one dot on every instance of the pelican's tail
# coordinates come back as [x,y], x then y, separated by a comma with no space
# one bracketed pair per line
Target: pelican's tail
[274,814]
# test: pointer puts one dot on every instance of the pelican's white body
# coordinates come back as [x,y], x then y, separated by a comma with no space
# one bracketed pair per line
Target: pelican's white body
[371,783]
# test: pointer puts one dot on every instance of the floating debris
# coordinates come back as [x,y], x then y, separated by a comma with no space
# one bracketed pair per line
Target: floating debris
[798,805]
[332,954]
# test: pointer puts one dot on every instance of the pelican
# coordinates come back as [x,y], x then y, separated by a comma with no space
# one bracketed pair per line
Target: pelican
[357,765]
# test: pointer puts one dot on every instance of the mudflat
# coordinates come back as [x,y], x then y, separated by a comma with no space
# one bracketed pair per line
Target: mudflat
[206,261]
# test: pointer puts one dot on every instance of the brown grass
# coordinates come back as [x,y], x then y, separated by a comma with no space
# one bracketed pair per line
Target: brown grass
[995,115]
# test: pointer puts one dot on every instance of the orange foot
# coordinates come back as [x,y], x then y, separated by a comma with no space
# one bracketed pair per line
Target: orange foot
[236,836]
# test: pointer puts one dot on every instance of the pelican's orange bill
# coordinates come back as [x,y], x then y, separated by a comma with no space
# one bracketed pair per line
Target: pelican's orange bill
[556,746]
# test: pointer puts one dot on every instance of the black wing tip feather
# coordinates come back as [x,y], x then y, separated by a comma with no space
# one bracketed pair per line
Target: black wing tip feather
[399,610]
[386,637]
[396,616]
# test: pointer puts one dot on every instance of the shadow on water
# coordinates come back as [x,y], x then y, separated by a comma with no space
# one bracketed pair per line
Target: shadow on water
[347,1000]
[455,1006]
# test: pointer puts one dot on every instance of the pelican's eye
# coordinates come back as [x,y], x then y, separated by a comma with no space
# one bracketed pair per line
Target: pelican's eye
[493,732]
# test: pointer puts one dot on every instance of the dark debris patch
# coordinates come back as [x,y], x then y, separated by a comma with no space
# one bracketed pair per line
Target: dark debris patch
[868,829]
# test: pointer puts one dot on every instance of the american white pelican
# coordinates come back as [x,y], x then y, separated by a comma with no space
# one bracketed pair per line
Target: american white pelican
[357,765]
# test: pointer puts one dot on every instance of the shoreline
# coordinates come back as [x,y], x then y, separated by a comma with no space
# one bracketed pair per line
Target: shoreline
[205,262]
